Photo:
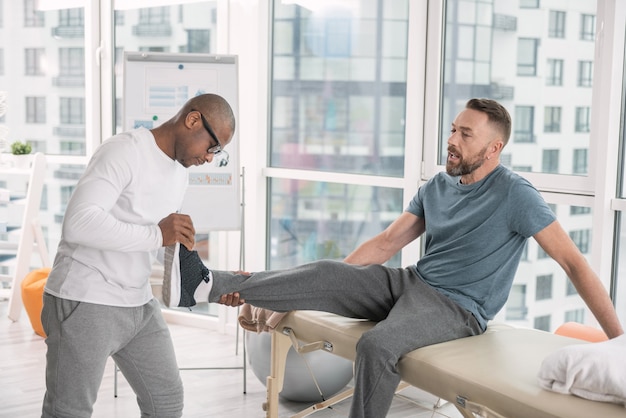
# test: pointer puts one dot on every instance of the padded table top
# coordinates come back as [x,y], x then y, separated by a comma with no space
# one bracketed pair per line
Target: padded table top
[497,369]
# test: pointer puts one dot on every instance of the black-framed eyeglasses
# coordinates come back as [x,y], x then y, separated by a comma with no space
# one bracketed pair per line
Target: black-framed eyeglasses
[215,149]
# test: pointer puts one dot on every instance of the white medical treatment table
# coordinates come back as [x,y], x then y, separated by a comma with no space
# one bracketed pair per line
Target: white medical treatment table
[491,375]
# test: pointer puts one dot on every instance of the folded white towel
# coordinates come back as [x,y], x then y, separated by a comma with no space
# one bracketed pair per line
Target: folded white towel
[595,371]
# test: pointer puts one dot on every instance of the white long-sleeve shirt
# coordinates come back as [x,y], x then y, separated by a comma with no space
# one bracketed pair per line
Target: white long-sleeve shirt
[110,235]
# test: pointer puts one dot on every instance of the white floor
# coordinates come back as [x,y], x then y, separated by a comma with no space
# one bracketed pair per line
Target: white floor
[208,393]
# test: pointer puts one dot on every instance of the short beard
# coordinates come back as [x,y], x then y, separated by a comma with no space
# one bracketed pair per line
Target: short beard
[464,168]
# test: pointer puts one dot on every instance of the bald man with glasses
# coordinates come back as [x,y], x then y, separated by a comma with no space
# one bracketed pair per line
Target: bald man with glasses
[98,302]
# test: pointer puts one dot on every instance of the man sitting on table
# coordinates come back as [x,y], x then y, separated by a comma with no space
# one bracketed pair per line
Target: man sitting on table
[476,218]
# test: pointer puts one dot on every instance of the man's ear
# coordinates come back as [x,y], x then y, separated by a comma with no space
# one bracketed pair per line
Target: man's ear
[192,119]
[496,146]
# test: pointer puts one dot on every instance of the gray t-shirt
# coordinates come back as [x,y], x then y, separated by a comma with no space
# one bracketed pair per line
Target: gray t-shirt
[475,235]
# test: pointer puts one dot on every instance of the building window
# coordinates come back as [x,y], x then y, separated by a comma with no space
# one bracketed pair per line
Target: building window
[154,16]
[585,73]
[72,148]
[542,323]
[579,210]
[528,4]
[35,110]
[587,27]
[338,104]
[32,17]
[582,239]
[575,315]
[199,41]
[66,193]
[72,110]
[72,17]
[580,161]
[544,287]
[33,64]
[583,119]
[527,56]
[552,119]
[119,17]
[550,161]
[570,290]
[524,124]
[516,309]
[556,24]
[71,61]
[554,75]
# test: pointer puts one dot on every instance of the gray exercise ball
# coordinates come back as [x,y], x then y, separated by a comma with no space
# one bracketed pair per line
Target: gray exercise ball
[332,372]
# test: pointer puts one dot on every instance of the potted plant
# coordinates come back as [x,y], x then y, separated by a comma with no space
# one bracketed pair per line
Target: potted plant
[21,151]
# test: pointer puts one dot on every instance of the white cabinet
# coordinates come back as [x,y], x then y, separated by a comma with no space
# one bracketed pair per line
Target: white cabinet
[22,235]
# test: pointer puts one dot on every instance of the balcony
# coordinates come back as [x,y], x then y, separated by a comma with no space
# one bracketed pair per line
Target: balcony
[69,81]
[74,31]
[501,92]
[504,22]
[77,131]
[160,29]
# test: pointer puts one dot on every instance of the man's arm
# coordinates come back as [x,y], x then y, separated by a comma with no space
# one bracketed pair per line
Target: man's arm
[383,246]
[558,245]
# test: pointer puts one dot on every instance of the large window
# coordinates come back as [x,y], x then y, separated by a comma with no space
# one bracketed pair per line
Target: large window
[185,28]
[354,107]
[338,104]
[541,80]
[339,87]
[46,87]
[319,220]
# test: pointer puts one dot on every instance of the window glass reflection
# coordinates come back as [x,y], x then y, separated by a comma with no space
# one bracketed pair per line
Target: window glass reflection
[538,62]
[542,295]
[317,220]
[46,49]
[42,83]
[339,86]
[184,28]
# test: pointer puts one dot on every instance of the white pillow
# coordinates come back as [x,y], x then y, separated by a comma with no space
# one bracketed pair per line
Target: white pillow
[595,371]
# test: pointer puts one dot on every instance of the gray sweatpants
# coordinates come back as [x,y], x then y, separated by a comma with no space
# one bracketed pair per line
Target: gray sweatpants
[409,312]
[81,337]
